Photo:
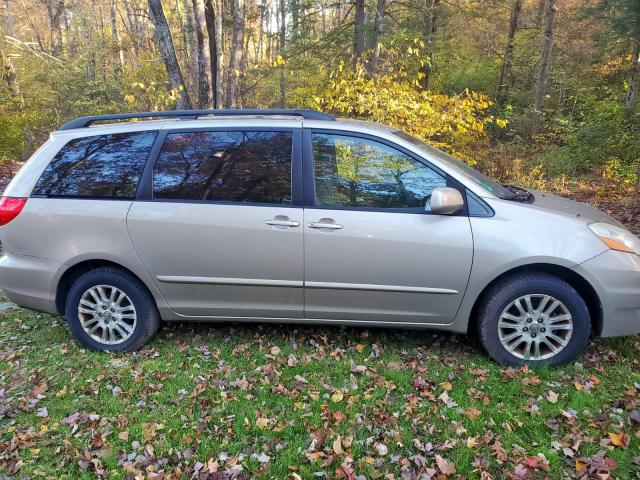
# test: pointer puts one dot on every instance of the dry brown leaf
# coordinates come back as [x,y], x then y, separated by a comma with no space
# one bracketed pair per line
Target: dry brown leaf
[445,466]
[262,422]
[337,446]
[619,439]
[472,413]
[446,386]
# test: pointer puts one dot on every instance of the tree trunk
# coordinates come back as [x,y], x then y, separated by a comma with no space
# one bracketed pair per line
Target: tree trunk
[165,42]
[193,72]
[550,14]
[132,27]
[358,32]
[377,33]
[213,19]
[9,17]
[283,38]
[204,56]
[295,17]
[631,99]
[116,42]
[262,9]
[430,26]
[55,11]
[235,53]
[220,46]
[505,74]
[184,40]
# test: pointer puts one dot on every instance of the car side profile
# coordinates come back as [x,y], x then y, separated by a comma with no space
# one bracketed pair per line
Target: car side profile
[296,216]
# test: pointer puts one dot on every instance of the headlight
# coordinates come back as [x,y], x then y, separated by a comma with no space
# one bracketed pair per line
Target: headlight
[616,238]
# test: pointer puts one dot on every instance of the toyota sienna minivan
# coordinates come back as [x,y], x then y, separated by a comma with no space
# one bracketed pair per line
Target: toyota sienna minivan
[296,216]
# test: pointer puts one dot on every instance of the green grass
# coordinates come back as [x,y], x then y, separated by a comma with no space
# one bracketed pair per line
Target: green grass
[274,399]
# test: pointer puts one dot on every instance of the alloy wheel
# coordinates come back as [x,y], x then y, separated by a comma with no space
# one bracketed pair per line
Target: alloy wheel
[535,327]
[107,314]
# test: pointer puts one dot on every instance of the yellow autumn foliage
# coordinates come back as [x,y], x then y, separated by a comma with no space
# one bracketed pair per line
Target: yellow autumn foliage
[453,123]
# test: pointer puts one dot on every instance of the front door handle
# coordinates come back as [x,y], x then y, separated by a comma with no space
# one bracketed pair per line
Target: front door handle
[329,226]
[282,223]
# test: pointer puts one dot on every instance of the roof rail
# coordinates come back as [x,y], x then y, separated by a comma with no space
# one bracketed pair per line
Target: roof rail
[84,122]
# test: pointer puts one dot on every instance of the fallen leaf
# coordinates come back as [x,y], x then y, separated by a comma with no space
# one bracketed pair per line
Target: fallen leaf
[337,397]
[262,422]
[263,458]
[446,386]
[337,446]
[472,413]
[619,439]
[381,448]
[445,466]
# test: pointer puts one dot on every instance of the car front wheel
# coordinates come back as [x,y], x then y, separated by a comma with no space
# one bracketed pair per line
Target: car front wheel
[110,310]
[533,318]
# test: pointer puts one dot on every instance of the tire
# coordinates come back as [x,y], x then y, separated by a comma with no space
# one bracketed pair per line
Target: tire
[499,311]
[134,321]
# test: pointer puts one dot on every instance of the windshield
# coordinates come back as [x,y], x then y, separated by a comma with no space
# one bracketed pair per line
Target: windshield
[474,175]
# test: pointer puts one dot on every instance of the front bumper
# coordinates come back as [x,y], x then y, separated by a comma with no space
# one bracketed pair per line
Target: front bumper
[30,281]
[616,278]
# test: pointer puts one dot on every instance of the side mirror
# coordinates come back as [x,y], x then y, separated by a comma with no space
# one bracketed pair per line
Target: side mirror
[445,201]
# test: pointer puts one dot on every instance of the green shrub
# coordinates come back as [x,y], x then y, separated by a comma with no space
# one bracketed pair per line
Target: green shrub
[606,143]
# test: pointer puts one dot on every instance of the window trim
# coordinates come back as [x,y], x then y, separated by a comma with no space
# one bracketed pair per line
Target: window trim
[145,190]
[131,198]
[309,174]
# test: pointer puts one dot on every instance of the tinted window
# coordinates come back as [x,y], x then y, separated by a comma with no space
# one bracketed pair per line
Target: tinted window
[237,166]
[102,166]
[355,172]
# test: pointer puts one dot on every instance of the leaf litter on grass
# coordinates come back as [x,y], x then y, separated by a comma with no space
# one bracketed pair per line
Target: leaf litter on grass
[257,401]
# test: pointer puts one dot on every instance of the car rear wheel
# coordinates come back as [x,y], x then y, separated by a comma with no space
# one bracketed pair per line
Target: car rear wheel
[533,318]
[110,310]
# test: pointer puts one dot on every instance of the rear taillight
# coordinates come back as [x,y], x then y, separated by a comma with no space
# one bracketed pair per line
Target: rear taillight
[10,208]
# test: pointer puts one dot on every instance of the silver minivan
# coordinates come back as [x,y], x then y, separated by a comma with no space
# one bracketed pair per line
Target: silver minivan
[296,216]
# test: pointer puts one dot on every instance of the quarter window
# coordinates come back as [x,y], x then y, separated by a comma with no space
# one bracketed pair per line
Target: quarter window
[104,166]
[225,166]
[360,173]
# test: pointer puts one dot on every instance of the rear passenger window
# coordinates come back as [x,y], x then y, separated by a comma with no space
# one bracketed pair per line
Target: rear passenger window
[105,166]
[225,166]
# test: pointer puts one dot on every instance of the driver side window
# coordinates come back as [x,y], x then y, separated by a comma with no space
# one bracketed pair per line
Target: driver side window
[361,173]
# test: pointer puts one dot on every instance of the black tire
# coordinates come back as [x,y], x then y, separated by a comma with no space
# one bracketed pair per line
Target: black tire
[500,295]
[147,316]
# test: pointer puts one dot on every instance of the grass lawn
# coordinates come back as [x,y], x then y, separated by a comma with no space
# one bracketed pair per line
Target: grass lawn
[255,401]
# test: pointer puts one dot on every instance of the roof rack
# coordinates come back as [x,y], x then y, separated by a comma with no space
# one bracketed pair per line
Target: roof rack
[84,122]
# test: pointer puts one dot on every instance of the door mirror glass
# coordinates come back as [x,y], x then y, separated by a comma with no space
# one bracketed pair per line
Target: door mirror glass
[445,201]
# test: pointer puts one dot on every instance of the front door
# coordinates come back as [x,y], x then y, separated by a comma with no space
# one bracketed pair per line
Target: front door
[373,251]
[222,235]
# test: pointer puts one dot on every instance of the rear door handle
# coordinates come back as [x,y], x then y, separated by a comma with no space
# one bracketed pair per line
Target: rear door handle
[282,223]
[330,226]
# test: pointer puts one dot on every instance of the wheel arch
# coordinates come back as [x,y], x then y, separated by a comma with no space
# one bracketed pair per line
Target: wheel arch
[74,272]
[577,281]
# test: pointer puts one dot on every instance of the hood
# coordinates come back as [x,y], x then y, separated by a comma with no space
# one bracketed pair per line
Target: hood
[555,203]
